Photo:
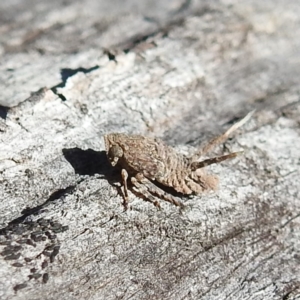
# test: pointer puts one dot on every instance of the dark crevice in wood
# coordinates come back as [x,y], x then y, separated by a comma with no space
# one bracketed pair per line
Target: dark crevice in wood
[110,54]
[35,210]
[65,74]
[138,39]
[3,112]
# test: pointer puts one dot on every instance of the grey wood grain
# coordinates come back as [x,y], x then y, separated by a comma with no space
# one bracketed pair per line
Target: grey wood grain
[184,71]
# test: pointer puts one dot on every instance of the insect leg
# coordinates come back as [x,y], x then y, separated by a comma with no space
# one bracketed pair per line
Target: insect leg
[201,164]
[124,175]
[140,188]
[152,188]
[222,138]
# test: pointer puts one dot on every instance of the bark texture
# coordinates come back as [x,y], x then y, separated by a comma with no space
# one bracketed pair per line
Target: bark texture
[183,71]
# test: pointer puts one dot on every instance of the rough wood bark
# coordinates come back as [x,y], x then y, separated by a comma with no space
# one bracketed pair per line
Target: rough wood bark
[179,70]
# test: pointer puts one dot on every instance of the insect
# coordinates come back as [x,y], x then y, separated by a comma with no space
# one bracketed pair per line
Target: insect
[148,160]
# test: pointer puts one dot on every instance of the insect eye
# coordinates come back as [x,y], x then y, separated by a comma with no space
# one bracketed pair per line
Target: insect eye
[114,153]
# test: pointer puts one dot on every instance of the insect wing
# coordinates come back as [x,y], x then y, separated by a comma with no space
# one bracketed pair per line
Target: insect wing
[142,155]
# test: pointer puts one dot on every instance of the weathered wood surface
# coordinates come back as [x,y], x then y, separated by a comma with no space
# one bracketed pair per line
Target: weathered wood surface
[190,69]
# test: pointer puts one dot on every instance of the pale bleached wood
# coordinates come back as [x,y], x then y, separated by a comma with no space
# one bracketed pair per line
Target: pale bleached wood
[203,65]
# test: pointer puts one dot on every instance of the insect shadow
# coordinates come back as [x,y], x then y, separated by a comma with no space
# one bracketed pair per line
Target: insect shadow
[89,162]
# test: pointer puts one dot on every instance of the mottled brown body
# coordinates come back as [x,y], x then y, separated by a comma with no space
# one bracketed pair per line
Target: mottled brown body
[147,160]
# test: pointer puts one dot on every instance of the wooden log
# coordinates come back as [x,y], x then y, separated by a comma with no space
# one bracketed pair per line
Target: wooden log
[183,71]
